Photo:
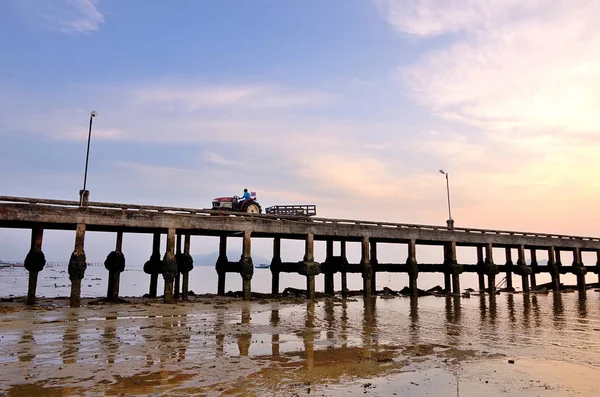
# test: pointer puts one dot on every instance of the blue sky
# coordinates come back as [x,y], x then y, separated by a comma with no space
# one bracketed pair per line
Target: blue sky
[353,106]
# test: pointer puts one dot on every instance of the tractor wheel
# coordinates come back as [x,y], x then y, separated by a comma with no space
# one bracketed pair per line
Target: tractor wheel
[252,209]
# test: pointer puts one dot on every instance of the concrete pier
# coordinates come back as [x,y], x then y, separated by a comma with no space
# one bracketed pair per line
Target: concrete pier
[39,215]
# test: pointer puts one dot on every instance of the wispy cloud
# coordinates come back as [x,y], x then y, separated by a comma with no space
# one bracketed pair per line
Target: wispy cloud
[68,16]
[195,96]
[517,65]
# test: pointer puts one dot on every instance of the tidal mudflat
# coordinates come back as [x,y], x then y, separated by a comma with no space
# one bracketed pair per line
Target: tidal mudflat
[510,344]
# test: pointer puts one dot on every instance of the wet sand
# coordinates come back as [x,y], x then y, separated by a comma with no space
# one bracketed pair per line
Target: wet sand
[218,346]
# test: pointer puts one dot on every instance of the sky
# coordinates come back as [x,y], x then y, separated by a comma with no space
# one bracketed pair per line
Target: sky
[353,106]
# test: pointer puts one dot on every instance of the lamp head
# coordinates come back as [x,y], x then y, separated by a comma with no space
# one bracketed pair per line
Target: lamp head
[94,113]
[442,172]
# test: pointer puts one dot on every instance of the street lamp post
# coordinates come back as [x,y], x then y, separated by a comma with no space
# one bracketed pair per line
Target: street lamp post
[450,221]
[84,194]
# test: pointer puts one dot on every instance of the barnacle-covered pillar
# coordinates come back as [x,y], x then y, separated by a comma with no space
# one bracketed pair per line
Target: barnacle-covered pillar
[185,264]
[34,262]
[534,266]
[367,270]
[221,265]
[308,267]
[451,266]
[509,268]
[480,268]
[553,269]
[522,268]
[344,259]
[115,264]
[579,270]
[177,284]
[374,263]
[491,269]
[413,268]
[275,265]
[169,267]
[77,266]
[246,266]
[327,268]
[153,266]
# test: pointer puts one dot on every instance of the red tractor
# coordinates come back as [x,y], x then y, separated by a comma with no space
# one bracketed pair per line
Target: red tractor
[235,204]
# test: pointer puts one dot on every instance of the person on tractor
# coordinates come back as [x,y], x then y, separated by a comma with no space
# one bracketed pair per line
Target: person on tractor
[245,196]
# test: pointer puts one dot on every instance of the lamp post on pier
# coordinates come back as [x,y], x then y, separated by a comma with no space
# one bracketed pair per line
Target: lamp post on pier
[450,221]
[84,194]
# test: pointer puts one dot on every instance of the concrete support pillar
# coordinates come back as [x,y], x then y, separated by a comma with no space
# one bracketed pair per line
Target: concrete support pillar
[554,271]
[186,267]
[447,282]
[451,267]
[275,265]
[413,268]
[221,265]
[580,271]
[177,285]
[153,267]
[374,263]
[509,268]
[246,266]
[309,267]
[343,272]
[456,270]
[309,259]
[34,262]
[522,268]
[115,264]
[367,270]
[169,267]
[77,266]
[329,283]
[534,266]
[490,268]
[480,268]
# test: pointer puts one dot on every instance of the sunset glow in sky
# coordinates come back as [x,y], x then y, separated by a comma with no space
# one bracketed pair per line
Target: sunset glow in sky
[353,106]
